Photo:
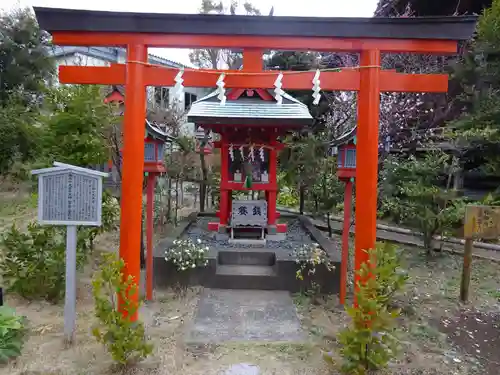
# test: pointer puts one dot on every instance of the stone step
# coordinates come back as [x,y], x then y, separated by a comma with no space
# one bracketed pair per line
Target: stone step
[246,277]
[247,258]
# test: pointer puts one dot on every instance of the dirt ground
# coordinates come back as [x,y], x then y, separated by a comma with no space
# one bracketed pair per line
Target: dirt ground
[438,335]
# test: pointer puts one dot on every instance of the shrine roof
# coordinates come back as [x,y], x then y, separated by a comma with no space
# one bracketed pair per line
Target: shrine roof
[444,28]
[155,132]
[242,111]
[345,138]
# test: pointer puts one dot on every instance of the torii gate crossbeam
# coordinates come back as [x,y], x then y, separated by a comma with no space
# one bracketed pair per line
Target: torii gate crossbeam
[253,34]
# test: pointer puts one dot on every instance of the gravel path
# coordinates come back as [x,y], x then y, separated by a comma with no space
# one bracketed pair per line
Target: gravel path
[296,236]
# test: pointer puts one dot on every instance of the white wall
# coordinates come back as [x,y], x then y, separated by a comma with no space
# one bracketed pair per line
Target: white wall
[79,59]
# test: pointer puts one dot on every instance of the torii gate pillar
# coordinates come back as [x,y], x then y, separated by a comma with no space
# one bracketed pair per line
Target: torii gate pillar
[133,163]
[367,156]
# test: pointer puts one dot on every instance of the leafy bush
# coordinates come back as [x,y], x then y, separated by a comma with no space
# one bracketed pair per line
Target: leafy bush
[412,195]
[370,342]
[186,255]
[109,222]
[12,333]
[308,257]
[288,198]
[123,338]
[33,263]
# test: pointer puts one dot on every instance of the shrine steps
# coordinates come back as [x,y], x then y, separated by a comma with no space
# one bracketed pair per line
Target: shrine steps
[246,277]
[244,269]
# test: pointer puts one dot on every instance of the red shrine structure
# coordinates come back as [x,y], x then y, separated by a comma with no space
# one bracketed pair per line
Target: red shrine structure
[370,37]
[249,123]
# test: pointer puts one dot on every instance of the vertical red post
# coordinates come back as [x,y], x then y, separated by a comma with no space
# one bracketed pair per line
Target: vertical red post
[149,235]
[133,163]
[367,157]
[271,195]
[252,59]
[345,240]
[224,179]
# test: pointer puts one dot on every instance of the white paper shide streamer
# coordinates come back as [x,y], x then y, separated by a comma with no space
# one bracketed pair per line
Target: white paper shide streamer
[261,153]
[316,88]
[278,92]
[242,153]
[221,90]
[178,87]
[231,152]
[252,155]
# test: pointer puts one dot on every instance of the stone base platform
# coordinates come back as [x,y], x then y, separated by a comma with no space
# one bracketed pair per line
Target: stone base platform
[268,266]
[242,316]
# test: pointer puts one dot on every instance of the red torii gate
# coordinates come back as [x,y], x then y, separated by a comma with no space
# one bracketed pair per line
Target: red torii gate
[253,34]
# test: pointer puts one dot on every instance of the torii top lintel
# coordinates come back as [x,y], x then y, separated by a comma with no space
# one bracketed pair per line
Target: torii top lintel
[85,27]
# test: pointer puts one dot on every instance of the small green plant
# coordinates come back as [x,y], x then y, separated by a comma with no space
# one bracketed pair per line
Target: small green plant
[370,342]
[186,254]
[12,334]
[123,338]
[109,216]
[33,263]
[308,257]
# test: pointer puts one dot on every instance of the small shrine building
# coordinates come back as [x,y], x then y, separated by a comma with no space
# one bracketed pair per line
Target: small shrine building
[250,124]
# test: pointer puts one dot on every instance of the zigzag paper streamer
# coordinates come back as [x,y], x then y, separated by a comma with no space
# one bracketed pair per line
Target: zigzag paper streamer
[241,152]
[231,152]
[252,155]
[316,89]
[179,88]
[261,153]
[221,89]
[278,92]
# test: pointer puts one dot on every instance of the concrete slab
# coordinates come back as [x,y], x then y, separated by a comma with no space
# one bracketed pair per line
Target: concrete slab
[245,315]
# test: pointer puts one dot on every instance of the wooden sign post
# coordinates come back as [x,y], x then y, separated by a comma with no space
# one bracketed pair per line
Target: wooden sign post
[480,222]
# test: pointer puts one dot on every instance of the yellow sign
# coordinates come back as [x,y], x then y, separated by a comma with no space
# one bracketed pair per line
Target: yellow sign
[482,222]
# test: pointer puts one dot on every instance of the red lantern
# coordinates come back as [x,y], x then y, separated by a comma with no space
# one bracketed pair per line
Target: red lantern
[346,162]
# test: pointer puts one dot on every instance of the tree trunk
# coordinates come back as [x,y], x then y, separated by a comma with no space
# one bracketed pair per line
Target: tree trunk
[176,200]
[142,256]
[329,223]
[203,185]
[169,199]
[302,196]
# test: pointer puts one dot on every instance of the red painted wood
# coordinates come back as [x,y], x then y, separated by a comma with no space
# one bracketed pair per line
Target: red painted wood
[88,38]
[252,60]
[114,97]
[281,228]
[271,207]
[345,241]
[367,159]
[346,173]
[234,94]
[149,235]
[256,186]
[213,227]
[348,80]
[132,169]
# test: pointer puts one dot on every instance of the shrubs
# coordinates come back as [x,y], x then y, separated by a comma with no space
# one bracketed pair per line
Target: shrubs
[186,255]
[12,333]
[124,339]
[308,257]
[33,265]
[369,343]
